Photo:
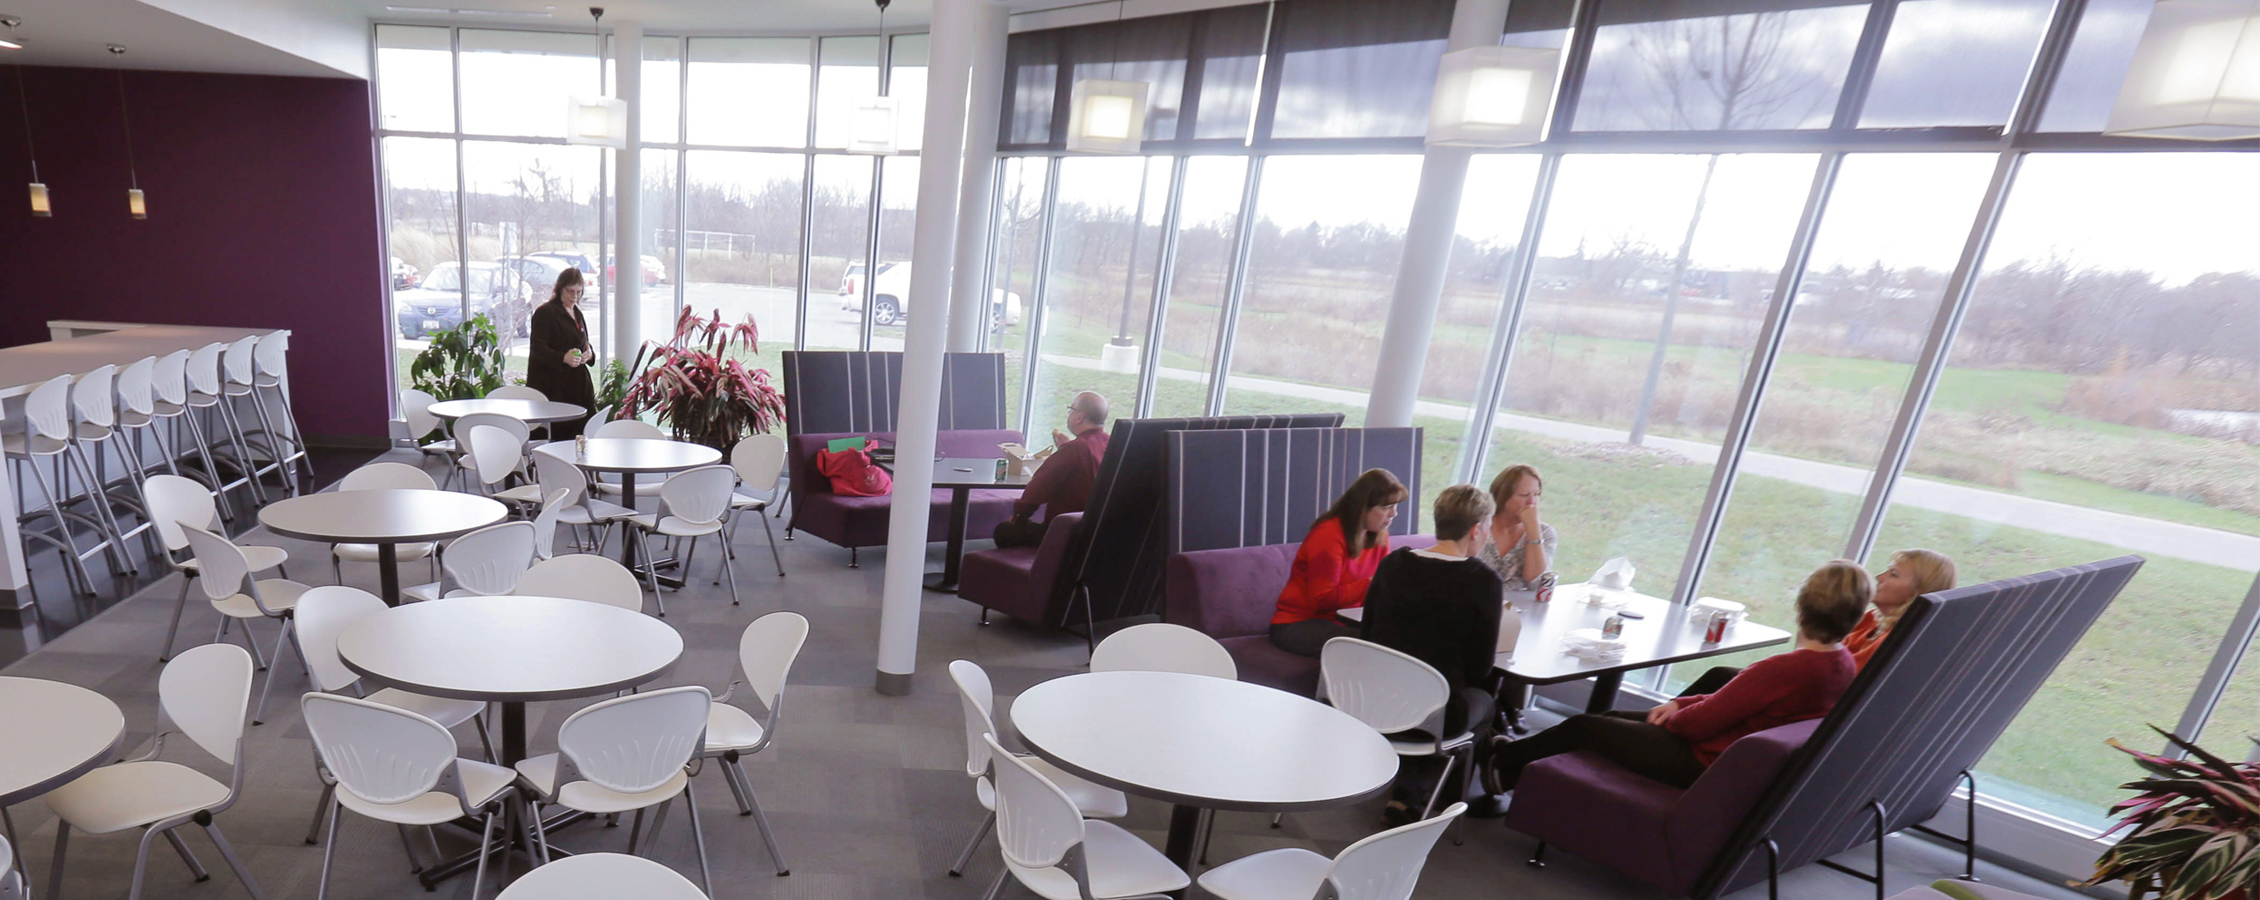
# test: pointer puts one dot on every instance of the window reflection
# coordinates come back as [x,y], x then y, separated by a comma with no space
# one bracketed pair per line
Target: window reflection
[415,78]
[741,241]
[1207,232]
[1954,62]
[1758,70]
[749,92]
[1354,69]
[518,82]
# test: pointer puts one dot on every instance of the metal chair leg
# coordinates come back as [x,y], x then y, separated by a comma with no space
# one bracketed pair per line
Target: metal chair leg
[957,869]
[768,838]
[180,605]
[698,838]
[329,850]
[181,847]
[771,534]
[212,830]
[321,810]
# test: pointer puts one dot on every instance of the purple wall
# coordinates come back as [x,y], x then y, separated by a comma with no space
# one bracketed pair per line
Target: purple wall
[262,212]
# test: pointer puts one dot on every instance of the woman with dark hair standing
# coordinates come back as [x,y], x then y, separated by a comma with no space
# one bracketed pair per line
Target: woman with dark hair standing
[558,354]
[1336,563]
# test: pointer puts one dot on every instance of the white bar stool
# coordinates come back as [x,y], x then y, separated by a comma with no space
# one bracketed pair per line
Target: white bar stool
[207,390]
[171,385]
[239,381]
[47,437]
[94,397]
[272,356]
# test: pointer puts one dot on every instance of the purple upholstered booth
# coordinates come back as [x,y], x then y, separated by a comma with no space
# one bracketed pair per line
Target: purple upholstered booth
[1230,594]
[854,522]
[1018,581]
[1604,813]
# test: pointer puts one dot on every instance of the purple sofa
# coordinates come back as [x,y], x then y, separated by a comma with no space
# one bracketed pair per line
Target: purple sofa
[1659,834]
[1230,594]
[855,522]
[1018,581]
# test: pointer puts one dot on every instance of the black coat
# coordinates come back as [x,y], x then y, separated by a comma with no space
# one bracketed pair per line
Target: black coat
[557,329]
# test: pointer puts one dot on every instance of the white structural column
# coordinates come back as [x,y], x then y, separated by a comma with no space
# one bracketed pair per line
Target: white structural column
[933,244]
[969,314]
[627,190]
[1428,246]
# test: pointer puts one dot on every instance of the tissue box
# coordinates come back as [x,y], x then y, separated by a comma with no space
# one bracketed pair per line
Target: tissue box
[1018,461]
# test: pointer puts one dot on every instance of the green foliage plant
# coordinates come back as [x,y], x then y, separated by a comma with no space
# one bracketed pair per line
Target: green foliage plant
[462,363]
[2192,829]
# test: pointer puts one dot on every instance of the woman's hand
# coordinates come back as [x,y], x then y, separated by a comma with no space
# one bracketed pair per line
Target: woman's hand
[1530,522]
[1662,714]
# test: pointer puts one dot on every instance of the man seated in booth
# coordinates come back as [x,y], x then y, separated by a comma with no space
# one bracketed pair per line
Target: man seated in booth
[1063,483]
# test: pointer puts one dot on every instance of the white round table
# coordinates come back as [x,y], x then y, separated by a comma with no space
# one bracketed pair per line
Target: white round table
[627,458]
[54,733]
[383,518]
[531,412]
[1203,743]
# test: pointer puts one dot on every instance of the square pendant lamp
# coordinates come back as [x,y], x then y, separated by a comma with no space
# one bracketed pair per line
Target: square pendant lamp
[1107,116]
[873,129]
[2195,75]
[599,121]
[1493,97]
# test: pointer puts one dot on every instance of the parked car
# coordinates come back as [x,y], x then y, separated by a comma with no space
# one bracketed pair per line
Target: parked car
[403,274]
[893,284]
[654,271]
[540,272]
[572,258]
[437,305]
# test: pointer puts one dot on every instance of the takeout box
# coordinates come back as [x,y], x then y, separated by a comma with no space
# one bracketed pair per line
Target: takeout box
[1021,462]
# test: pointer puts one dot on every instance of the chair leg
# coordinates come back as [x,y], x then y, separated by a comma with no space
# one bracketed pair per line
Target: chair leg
[165,653]
[997,887]
[651,574]
[329,850]
[768,837]
[212,830]
[141,863]
[415,862]
[1277,818]
[733,572]
[771,534]
[181,847]
[321,811]
[274,670]
[480,722]
[541,838]
[486,844]
[1451,761]
[737,791]
[957,870]
[55,870]
[698,838]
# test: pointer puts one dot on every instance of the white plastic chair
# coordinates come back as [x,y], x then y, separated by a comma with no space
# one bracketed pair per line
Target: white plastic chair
[978,699]
[1382,866]
[169,379]
[583,576]
[516,392]
[383,476]
[173,501]
[691,505]
[629,753]
[1049,847]
[273,357]
[241,366]
[11,883]
[202,695]
[1162,647]
[545,523]
[94,401]
[553,473]
[208,390]
[1395,692]
[484,563]
[323,614]
[759,461]
[416,410]
[766,652]
[629,428]
[227,582]
[395,766]
[602,876]
[491,453]
[47,437]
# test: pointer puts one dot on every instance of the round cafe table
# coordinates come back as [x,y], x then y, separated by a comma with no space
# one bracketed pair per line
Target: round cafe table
[510,650]
[531,412]
[384,518]
[52,734]
[1202,744]
[627,458]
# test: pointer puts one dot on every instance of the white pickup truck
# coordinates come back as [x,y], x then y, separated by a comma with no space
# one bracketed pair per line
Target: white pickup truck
[888,307]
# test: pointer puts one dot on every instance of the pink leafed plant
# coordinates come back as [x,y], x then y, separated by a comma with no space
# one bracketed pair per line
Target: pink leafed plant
[698,387]
[2192,828]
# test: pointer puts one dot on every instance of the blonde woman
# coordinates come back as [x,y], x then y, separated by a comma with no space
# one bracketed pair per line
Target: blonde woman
[1521,548]
[1912,573]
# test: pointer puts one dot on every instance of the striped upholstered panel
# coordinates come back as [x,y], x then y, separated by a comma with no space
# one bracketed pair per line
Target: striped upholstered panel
[847,390]
[1125,518]
[1955,671]
[1250,487]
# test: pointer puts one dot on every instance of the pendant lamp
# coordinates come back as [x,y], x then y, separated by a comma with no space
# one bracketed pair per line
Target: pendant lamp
[1493,97]
[877,123]
[596,119]
[40,208]
[2195,75]
[136,204]
[1105,115]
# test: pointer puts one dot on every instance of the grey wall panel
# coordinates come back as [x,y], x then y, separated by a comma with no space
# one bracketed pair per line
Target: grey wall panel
[849,390]
[1249,487]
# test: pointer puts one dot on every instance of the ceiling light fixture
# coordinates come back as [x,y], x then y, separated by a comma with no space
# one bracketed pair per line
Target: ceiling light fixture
[11,42]
[39,206]
[1104,115]
[1493,97]
[135,203]
[597,120]
[2195,75]
[876,124]
[543,13]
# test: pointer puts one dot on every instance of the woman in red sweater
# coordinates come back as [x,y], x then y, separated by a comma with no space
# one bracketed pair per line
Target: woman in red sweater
[1335,564]
[1675,742]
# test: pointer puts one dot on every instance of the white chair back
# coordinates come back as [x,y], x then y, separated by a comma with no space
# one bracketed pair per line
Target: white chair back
[636,743]
[516,392]
[322,614]
[516,427]
[204,369]
[137,386]
[494,451]
[239,360]
[222,569]
[978,698]
[759,461]
[602,415]
[583,576]
[555,474]
[206,693]
[700,496]
[1162,647]
[490,561]
[387,476]
[11,884]
[545,523]
[1036,821]
[273,354]
[1385,866]
[47,410]
[94,394]
[629,428]
[171,377]
[174,500]
[602,876]
[1387,689]
[378,753]
[766,652]
[416,408]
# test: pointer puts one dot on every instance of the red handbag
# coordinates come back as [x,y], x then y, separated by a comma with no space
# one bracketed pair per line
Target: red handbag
[853,474]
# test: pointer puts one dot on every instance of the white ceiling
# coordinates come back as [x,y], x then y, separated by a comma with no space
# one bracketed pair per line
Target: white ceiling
[74,33]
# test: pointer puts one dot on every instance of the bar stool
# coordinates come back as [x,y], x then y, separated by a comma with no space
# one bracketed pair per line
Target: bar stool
[240,376]
[170,381]
[272,356]
[94,397]
[207,390]
[47,420]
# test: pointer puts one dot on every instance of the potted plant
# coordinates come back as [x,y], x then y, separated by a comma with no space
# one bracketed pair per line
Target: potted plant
[462,363]
[699,388]
[2192,830]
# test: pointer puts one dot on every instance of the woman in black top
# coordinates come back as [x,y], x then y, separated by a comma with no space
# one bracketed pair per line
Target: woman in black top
[558,355]
[1442,606]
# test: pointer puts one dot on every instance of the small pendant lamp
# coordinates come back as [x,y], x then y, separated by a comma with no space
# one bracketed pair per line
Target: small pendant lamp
[876,127]
[136,204]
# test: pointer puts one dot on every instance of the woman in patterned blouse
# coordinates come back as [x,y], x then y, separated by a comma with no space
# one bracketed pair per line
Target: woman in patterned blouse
[1522,548]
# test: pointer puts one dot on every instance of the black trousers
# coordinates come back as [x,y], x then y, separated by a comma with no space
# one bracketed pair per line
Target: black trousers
[1309,636]
[1712,680]
[1018,533]
[1622,738]
[1416,775]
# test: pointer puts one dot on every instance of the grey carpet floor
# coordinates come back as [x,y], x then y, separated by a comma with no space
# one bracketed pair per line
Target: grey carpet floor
[867,793]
